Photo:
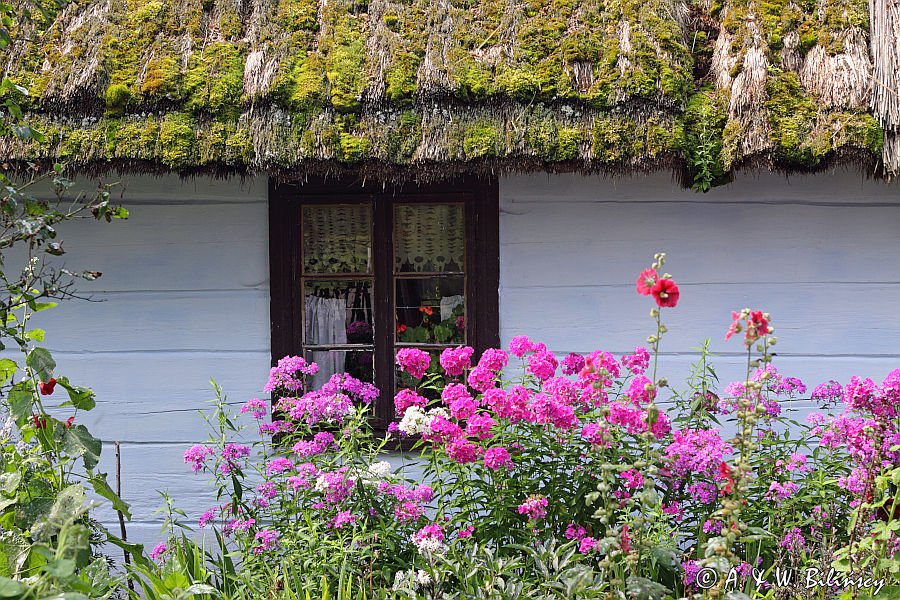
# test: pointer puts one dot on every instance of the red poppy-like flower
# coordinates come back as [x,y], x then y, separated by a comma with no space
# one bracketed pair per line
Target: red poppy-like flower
[70,420]
[47,388]
[40,422]
[725,473]
[427,310]
[665,292]
[645,281]
[625,539]
[401,328]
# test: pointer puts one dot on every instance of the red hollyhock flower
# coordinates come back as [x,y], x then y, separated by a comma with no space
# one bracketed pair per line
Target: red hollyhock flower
[665,292]
[39,422]
[70,420]
[725,473]
[47,388]
[626,539]
[645,281]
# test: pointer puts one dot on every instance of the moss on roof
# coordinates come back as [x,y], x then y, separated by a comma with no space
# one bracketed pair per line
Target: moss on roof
[429,87]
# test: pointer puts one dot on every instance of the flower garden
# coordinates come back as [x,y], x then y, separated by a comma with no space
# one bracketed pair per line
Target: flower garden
[528,477]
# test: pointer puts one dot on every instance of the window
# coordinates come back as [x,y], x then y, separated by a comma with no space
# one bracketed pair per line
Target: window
[357,273]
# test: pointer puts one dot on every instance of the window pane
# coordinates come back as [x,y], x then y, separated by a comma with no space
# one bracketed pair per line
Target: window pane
[358,363]
[431,310]
[337,311]
[337,238]
[429,238]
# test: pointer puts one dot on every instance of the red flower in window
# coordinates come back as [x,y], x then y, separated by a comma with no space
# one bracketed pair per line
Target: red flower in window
[427,310]
[401,328]
[47,388]
[665,292]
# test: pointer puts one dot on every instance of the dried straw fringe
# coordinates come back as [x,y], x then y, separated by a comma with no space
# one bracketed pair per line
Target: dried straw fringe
[884,28]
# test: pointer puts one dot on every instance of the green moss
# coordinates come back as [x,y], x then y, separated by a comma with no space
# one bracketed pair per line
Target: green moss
[162,78]
[617,139]
[344,66]
[481,140]
[354,148]
[517,84]
[178,140]
[404,137]
[239,147]
[792,117]
[309,82]
[214,80]
[117,97]
[133,139]
[552,142]
[400,78]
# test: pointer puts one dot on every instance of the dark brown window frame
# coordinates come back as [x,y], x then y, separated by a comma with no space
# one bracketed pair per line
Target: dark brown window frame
[481,198]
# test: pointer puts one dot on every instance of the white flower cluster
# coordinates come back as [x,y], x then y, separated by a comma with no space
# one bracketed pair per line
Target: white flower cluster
[377,472]
[428,546]
[411,580]
[415,421]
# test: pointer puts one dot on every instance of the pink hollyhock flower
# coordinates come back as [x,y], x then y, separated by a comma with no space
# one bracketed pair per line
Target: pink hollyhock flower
[665,292]
[456,360]
[646,280]
[497,457]
[414,361]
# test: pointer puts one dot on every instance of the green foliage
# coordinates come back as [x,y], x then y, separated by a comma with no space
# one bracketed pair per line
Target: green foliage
[704,121]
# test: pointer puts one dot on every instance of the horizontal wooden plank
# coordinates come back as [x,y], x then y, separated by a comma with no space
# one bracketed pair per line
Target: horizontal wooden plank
[841,185]
[183,247]
[160,321]
[839,319]
[560,243]
[166,189]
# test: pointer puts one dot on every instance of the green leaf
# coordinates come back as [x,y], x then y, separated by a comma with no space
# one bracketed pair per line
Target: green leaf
[81,398]
[40,360]
[36,334]
[78,441]
[61,568]
[8,368]
[9,483]
[11,589]
[39,306]
[21,400]
[98,482]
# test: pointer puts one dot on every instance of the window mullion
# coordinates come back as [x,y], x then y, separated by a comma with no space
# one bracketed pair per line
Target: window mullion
[384,306]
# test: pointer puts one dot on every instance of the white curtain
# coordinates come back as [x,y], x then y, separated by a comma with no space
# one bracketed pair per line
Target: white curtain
[326,323]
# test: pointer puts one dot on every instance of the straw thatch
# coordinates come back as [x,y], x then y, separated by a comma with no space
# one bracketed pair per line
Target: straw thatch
[432,87]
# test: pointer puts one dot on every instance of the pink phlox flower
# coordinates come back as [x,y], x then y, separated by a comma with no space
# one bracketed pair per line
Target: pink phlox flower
[344,517]
[497,457]
[158,551]
[535,507]
[572,364]
[267,540]
[542,364]
[481,379]
[638,362]
[793,540]
[256,406]
[278,465]
[289,373]
[406,398]
[479,425]
[520,345]
[494,359]
[456,360]
[197,454]
[633,479]
[414,361]
[465,532]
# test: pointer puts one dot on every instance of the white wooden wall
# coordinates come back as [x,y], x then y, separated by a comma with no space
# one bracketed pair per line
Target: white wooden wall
[184,293]
[819,252]
[184,297]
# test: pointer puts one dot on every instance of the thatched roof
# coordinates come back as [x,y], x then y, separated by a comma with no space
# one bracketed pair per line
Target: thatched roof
[431,87]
